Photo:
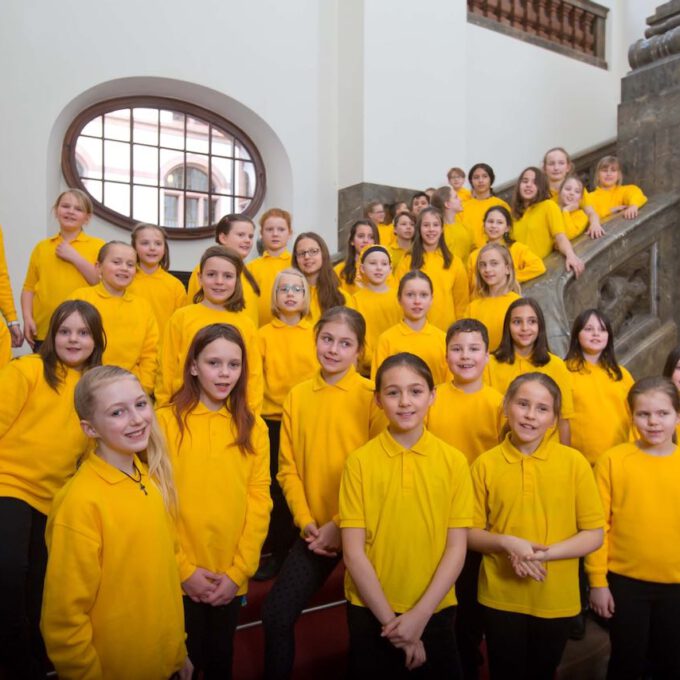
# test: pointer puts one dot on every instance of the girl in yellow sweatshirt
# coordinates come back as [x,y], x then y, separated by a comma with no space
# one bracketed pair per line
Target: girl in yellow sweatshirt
[220,457]
[40,443]
[112,606]
[611,197]
[635,576]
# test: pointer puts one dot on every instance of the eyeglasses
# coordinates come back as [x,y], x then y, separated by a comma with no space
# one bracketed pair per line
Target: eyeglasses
[287,289]
[311,252]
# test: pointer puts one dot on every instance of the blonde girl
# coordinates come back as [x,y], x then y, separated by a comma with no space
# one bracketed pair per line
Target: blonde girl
[288,358]
[538,221]
[611,197]
[276,228]
[59,264]
[111,565]
[536,512]
[569,199]
[324,419]
[446,271]
[497,228]
[236,232]
[414,333]
[599,385]
[362,234]
[481,177]
[218,300]
[635,576]
[40,443]
[311,257]
[495,290]
[129,322]
[10,335]
[220,457]
[163,291]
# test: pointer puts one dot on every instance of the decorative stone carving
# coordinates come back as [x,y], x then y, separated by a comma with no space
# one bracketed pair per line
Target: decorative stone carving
[662,38]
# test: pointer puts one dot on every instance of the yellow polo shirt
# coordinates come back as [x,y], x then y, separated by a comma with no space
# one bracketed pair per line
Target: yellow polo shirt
[178,336]
[458,238]
[470,422]
[406,500]
[40,434]
[491,312]
[112,606]
[639,493]
[288,358]
[223,493]
[575,223]
[538,227]
[264,270]
[131,331]
[321,425]
[163,291]
[545,497]
[315,306]
[527,264]
[52,280]
[604,200]
[474,210]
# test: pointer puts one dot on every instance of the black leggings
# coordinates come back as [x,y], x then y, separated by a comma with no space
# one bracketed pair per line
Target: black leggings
[302,574]
[645,625]
[23,558]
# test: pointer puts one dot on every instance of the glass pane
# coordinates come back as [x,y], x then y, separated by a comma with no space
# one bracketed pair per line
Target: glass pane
[197,172]
[117,197]
[191,217]
[145,164]
[221,175]
[89,157]
[222,143]
[197,135]
[223,206]
[93,128]
[117,161]
[171,211]
[241,204]
[94,188]
[172,169]
[145,204]
[145,126]
[172,129]
[244,178]
[241,151]
[117,125]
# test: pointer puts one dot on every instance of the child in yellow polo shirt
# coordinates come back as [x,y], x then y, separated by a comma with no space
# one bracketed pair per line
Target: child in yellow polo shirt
[10,335]
[129,322]
[612,198]
[112,605]
[40,443]
[163,291]
[220,457]
[362,234]
[536,512]
[276,228]
[60,264]
[404,231]
[599,386]
[569,200]
[375,211]
[405,501]
[288,358]
[635,576]
[324,419]
[467,414]
[482,177]
[456,234]
[456,178]
[496,288]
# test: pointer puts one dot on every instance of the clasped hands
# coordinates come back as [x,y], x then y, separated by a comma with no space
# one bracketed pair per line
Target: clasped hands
[210,588]
[526,557]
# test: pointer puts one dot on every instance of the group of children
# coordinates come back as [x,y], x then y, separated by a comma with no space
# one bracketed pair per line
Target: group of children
[374,424]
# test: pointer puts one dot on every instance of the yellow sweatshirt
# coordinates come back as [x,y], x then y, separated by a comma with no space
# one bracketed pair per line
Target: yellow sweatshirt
[264,270]
[112,606]
[538,227]
[528,265]
[474,210]
[163,291]
[604,200]
[491,312]
[223,493]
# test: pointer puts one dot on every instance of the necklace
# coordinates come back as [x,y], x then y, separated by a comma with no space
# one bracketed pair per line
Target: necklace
[136,481]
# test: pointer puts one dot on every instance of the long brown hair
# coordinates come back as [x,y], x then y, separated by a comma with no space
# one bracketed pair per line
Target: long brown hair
[53,369]
[542,192]
[235,303]
[349,270]
[165,260]
[187,397]
[418,250]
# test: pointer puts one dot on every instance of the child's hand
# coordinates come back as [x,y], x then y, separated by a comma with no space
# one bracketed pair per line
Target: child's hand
[602,602]
[415,655]
[570,207]
[310,532]
[200,584]
[526,568]
[406,629]
[224,592]
[595,230]
[17,336]
[187,670]
[630,212]
[574,264]
[30,331]
[327,542]
[65,251]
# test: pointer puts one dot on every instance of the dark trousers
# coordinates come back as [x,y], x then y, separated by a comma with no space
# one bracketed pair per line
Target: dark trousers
[210,637]
[523,646]
[282,532]
[23,558]
[301,575]
[469,623]
[372,656]
[645,626]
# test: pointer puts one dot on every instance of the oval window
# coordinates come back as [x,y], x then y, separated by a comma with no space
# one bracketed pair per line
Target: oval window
[165,162]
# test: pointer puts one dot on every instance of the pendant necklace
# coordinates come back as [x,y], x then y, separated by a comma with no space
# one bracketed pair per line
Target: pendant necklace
[136,481]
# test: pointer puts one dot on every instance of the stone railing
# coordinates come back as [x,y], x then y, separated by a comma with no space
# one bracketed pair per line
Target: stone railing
[631,275]
[575,28]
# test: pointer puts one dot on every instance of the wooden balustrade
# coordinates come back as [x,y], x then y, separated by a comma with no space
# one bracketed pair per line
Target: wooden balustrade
[575,28]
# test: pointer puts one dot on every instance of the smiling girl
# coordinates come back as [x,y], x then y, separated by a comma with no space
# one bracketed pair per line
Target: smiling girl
[363,233]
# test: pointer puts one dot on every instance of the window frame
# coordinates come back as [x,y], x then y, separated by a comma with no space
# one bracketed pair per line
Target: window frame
[72,176]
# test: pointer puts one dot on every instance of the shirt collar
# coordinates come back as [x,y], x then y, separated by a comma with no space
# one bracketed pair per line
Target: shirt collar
[407,330]
[513,455]
[393,448]
[102,292]
[110,474]
[344,384]
[82,236]
[305,322]
[285,255]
